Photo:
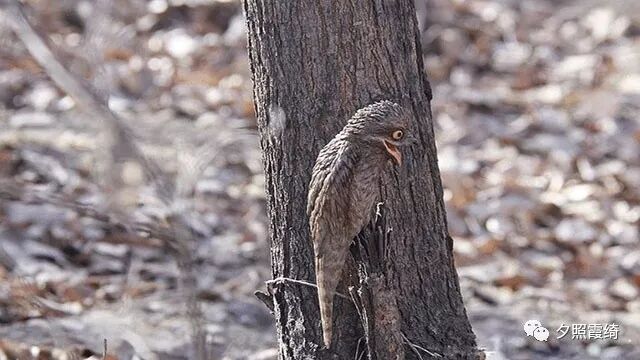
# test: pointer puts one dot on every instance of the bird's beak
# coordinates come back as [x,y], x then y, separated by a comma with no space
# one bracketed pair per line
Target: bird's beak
[393,151]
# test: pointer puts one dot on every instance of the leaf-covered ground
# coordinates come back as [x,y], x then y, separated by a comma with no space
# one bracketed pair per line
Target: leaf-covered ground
[537,114]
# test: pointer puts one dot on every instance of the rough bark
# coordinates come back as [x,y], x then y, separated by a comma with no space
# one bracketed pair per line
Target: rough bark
[314,63]
[376,300]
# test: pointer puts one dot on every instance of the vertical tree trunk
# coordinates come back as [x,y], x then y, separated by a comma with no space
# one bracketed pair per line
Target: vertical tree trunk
[314,63]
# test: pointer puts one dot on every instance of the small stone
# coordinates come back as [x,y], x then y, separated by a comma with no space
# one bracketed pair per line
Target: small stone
[236,32]
[599,21]
[578,192]
[267,354]
[575,66]
[190,107]
[630,262]
[546,263]
[42,96]
[31,119]
[629,84]
[624,289]
[132,173]
[114,250]
[510,56]
[157,6]
[493,295]
[179,44]
[500,225]
[575,231]
[548,94]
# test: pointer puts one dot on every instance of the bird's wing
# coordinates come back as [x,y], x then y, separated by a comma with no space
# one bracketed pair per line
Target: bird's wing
[341,193]
[329,188]
[328,203]
[328,160]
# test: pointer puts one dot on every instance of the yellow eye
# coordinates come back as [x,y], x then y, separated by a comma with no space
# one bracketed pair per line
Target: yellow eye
[397,135]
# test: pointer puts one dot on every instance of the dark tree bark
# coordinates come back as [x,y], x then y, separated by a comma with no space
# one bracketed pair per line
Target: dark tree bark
[314,63]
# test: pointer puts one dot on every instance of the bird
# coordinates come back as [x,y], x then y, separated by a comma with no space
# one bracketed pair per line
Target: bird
[344,190]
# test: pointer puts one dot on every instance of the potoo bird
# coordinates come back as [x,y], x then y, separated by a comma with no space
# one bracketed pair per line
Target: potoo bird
[344,189]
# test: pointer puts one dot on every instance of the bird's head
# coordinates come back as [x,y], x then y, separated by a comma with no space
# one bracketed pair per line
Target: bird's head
[384,124]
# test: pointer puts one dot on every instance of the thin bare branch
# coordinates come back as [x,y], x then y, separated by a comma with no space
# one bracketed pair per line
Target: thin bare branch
[84,95]
[281,280]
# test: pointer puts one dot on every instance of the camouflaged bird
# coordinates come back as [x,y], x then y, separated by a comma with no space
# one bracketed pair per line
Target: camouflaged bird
[344,189]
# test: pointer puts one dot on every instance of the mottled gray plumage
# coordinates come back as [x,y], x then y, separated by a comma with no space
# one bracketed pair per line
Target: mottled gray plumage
[343,191]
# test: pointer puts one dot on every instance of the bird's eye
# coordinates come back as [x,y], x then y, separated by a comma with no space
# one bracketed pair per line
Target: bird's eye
[397,135]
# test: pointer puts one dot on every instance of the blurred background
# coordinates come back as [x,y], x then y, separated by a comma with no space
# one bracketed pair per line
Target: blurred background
[536,109]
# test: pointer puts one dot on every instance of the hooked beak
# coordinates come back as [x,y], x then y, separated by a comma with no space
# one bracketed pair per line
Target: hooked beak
[393,151]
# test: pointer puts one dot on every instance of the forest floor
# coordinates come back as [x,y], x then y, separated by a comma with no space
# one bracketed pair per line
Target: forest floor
[537,117]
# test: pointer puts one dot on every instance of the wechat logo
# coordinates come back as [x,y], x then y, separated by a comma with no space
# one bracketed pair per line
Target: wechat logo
[534,328]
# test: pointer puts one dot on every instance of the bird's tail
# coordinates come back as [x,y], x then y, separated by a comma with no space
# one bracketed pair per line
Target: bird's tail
[327,281]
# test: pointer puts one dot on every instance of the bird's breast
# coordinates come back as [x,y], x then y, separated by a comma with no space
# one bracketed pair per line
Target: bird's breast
[365,191]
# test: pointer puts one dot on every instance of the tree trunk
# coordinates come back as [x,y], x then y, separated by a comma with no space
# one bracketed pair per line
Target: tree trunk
[314,63]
